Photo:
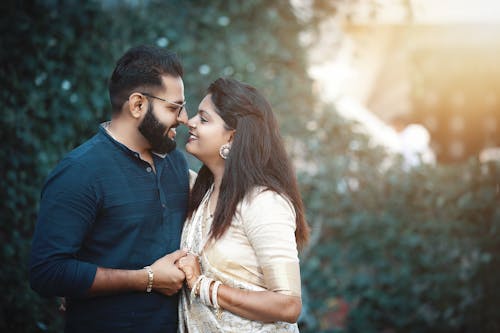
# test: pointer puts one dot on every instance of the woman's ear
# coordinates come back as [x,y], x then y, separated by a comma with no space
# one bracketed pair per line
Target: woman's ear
[136,104]
[231,135]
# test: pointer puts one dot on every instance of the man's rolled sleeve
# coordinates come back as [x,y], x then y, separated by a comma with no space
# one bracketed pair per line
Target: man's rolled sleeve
[68,207]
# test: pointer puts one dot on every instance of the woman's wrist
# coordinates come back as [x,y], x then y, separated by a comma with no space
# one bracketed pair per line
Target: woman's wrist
[195,287]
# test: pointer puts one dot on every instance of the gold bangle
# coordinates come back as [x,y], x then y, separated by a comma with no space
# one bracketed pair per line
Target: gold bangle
[149,287]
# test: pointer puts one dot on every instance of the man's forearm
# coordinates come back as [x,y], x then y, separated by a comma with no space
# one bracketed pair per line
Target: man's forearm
[111,281]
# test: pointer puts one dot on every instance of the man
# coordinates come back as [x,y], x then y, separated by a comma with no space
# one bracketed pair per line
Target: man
[111,212]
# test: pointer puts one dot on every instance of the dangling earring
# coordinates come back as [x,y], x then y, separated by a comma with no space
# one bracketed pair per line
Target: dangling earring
[224,150]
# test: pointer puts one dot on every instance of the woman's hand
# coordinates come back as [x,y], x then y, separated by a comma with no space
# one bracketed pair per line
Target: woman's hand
[190,265]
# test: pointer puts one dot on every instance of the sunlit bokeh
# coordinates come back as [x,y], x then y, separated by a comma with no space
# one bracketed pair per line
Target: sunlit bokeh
[435,63]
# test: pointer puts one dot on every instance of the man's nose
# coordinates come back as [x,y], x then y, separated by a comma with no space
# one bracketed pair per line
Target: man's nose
[183,116]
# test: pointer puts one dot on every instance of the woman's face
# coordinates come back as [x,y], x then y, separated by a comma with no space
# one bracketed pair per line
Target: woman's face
[207,133]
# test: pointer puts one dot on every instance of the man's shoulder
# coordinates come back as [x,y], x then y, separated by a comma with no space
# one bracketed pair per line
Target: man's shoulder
[83,157]
[74,168]
[89,151]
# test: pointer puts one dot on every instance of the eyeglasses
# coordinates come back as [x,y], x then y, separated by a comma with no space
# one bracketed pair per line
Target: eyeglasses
[179,109]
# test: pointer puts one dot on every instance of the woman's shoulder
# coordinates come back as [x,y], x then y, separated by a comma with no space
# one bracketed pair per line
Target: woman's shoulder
[262,200]
[192,178]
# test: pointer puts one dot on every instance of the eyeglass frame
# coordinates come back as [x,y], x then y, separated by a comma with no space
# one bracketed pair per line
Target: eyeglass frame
[181,106]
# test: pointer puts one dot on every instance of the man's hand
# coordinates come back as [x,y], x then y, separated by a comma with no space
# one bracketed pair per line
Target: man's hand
[168,279]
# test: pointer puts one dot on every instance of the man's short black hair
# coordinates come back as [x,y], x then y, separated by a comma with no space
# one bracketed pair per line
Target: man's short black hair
[141,67]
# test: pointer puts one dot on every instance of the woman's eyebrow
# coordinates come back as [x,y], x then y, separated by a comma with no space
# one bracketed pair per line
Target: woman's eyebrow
[203,113]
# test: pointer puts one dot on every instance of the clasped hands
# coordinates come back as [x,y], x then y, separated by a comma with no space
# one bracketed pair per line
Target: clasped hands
[172,270]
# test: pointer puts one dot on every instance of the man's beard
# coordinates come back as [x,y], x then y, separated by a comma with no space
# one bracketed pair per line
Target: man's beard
[155,133]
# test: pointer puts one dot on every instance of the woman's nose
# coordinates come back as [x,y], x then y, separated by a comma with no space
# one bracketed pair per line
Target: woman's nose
[191,123]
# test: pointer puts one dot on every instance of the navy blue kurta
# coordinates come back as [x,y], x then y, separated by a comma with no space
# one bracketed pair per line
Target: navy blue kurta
[104,206]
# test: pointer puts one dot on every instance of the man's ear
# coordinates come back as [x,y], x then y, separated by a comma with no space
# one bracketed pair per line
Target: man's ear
[136,104]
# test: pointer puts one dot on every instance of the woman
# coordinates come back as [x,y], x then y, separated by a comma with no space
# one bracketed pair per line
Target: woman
[245,219]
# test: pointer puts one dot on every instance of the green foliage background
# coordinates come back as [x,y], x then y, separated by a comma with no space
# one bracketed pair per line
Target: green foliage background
[392,251]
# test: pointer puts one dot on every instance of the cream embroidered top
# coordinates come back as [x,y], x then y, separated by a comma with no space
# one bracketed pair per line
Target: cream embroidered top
[257,252]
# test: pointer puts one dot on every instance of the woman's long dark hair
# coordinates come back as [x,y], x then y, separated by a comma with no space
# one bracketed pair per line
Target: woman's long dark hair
[257,157]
